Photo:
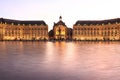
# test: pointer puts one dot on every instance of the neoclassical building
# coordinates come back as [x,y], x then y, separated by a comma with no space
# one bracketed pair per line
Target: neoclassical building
[23,30]
[60,30]
[38,30]
[97,30]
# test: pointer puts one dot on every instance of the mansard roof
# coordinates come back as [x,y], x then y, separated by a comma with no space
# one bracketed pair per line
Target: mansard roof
[97,22]
[16,22]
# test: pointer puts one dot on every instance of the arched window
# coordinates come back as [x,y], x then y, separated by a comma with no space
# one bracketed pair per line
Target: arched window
[79,32]
[75,32]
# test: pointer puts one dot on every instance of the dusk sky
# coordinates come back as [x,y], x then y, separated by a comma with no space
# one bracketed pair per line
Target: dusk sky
[50,10]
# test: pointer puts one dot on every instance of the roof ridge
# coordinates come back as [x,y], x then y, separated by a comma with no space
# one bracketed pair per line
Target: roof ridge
[101,20]
[9,21]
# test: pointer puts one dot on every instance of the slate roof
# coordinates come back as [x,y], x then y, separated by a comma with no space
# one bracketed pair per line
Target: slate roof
[16,22]
[60,23]
[95,22]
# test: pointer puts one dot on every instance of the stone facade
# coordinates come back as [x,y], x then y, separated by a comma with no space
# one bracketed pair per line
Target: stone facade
[60,30]
[38,30]
[97,30]
[23,30]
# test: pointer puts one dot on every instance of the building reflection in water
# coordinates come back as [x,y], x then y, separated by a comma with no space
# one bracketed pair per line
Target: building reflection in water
[60,60]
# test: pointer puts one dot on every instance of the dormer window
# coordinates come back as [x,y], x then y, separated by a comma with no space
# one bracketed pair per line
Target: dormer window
[91,25]
[109,23]
[78,24]
[12,24]
[35,24]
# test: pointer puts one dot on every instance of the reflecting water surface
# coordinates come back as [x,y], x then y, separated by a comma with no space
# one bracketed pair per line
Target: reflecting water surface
[59,60]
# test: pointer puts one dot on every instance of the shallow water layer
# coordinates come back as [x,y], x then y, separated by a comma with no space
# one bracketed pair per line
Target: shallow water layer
[59,60]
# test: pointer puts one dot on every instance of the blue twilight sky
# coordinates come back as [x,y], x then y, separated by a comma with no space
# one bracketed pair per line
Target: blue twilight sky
[50,10]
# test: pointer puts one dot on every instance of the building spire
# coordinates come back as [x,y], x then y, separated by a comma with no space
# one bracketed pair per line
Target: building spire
[60,18]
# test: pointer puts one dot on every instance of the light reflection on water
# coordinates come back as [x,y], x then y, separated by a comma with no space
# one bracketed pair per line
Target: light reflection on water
[59,60]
